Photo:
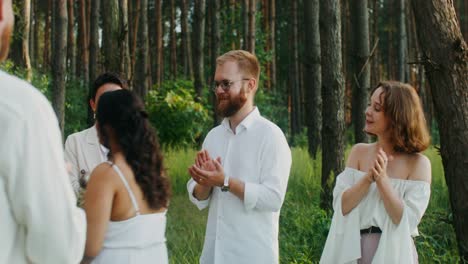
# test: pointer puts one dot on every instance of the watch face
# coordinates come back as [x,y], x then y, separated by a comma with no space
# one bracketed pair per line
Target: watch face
[224,188]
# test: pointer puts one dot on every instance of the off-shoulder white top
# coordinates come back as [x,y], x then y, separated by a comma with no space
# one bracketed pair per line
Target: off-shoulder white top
[395,245]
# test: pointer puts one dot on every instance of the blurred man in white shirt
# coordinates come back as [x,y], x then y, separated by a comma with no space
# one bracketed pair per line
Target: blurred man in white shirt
[82,149]
[242,171]
[40,222]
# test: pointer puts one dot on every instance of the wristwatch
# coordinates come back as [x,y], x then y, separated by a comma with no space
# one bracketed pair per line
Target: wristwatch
[225,187]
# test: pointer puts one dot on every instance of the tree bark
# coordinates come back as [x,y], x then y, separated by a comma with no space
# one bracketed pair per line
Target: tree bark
[312,71]
[294,77]
[59,65]
[25,40]
[110,35]
[186,43]
[71,63]
[159,44]
[93,51]
[215,40]
[272,37]
[173,41]
[252,28]
[125,67]
[446,63]
[198,44]
[402,42]
[83,66]
[361,68]
[141,69]
[333,126]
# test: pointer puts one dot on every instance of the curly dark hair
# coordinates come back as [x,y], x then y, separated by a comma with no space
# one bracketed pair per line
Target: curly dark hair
[123,112]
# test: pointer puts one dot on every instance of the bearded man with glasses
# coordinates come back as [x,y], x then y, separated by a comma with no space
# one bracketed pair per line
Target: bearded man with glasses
[242,171]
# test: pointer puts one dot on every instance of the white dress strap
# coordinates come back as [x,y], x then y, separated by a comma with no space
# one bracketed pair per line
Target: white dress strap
[132,196]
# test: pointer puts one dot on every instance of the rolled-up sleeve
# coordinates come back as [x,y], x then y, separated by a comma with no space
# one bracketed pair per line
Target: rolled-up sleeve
[275,165]
[40,193]
[201,204]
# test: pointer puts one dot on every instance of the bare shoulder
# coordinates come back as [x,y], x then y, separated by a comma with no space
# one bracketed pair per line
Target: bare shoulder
[356,153]
[421,168]
[103,176]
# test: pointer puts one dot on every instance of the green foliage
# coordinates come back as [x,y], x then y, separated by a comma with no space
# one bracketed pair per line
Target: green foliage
[178,118]
[273,106]
[303,225]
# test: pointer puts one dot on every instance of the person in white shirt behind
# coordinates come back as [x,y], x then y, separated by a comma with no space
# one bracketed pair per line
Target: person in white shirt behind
[242,171]
[82,149]
[40,222]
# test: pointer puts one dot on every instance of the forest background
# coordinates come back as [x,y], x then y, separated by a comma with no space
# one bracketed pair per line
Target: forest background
[319,59]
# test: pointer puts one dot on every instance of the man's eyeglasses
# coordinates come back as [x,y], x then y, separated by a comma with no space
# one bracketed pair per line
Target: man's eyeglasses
[226,84]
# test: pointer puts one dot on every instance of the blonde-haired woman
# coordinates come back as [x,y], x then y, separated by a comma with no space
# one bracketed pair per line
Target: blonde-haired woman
[381,196]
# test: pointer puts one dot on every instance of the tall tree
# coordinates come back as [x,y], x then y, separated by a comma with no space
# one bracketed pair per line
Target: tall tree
[110,35]
[83,50]
[93,50]
[125,67]
[141,84]
[47,33]
[173,40]
[245,24]
[215,40]
[186,48]
[71,39]
[360,66]
[157,70]
[333,126]
[272,41]
[294,76]
[25,41]
[402,43]
[59,63]
[251,33]
[198,44]
[446,62]
[312,68]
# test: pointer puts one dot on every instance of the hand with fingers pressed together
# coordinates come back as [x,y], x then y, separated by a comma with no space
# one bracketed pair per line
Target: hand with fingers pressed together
[379,170]
[206,171]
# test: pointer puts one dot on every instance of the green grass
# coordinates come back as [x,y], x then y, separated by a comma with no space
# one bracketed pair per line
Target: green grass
[303,225]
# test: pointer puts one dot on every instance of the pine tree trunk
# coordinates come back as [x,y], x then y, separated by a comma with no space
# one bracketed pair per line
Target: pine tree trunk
[198,44]
[124,41]
[446,64]
[313,107]
[295,86]
[361,68]
[93,51]
[215,40]
[173,41]
[159,44]
[272,40]
[110,35]
[186,43]
[251,28]
[333,126]
[83,66]
[59,65]
[25,40]
[47,34]
[402,41]
[71,63]
[141,67]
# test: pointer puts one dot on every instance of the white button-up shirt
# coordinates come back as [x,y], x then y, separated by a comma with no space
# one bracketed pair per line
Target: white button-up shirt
[246,231]
[39,220]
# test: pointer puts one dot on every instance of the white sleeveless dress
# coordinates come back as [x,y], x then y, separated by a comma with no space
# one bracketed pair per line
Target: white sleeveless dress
[140,239]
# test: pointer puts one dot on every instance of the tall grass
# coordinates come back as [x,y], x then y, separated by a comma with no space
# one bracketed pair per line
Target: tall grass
[303,225]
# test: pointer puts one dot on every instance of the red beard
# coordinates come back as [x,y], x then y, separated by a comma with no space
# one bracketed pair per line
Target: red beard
[227,107]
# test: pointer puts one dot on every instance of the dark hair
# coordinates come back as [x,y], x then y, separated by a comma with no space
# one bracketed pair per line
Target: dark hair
[106,78]
[122,111]
[408,128]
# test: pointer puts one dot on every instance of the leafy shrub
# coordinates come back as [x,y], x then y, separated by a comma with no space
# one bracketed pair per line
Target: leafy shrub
[178,118]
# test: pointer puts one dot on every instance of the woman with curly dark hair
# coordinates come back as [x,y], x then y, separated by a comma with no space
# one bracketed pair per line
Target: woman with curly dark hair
[127,197]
